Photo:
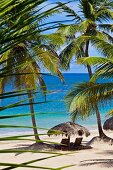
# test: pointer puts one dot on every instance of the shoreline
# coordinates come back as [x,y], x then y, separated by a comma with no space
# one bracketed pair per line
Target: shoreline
[8,134]
[24,131]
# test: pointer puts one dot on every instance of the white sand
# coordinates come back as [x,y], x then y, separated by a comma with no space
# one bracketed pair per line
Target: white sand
[100,157]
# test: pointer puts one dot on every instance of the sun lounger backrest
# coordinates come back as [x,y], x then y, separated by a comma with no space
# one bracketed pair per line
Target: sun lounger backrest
[78,141]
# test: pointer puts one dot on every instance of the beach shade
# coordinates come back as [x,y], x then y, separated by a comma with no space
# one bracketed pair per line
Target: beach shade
[108,124]
[68,129]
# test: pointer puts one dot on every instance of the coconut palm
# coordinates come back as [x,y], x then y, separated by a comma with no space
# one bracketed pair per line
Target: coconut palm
[22,60]
[83,98]
[87,30]
[27,65]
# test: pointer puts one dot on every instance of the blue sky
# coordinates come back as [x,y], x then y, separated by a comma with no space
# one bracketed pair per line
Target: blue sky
[75,68]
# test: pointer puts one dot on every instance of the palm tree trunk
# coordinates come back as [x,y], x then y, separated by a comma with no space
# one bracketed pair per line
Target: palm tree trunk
[87,55]
[101,133]
[89,71]
[33,115]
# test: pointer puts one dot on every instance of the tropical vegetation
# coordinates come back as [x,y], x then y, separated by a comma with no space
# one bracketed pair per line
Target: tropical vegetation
[20,52]
[87,30]
[21,60]
[91,93]
[24,45]
[81,102]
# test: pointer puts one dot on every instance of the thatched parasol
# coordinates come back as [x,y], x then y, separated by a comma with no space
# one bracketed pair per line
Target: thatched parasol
[68,129]
[108,124]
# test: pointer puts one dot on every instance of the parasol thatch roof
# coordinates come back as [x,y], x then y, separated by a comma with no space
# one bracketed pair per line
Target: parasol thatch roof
[68,129]
[108,124]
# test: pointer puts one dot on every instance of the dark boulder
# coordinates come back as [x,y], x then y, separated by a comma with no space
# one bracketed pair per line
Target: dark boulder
[108,124]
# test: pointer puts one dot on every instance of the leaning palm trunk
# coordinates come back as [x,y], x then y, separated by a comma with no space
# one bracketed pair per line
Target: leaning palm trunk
[30,96]
[101,133]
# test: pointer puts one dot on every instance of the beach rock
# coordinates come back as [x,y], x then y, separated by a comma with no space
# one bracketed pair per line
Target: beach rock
[108,124]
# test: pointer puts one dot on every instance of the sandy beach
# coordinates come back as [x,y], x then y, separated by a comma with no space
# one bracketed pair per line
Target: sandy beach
[99,157]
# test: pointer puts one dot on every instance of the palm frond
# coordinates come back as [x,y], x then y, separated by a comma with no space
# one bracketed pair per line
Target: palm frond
[110,38]
[83,98]
[103,46]
[71,13]
[87,8]
[104,67]
[75,48]
[104,71]
[48,60]
[68,30]
[106,27]
[110,112]
[104,13]
[94,61]
[55,39]
[19,29]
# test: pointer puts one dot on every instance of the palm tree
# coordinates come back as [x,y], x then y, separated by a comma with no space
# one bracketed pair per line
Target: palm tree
[28,65]
[22,60]
[83,98]
[87,31]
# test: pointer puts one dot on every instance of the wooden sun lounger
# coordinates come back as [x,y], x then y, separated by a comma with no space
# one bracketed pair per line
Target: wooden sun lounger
[65,144]
[78,141]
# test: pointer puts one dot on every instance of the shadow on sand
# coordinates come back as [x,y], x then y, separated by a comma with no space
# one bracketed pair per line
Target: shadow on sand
[107,163]
[48,147]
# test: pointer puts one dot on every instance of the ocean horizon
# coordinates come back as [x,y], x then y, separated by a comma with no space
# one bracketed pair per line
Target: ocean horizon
[51,113]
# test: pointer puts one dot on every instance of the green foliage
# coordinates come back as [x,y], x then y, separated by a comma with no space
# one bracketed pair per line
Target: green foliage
[104,67]
[70,12]
[84,97]
[23,47]
[88,28]
[19,29]
[26,56]
[20,26]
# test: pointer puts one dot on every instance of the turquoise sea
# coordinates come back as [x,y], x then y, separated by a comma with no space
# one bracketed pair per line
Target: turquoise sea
[51,113]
